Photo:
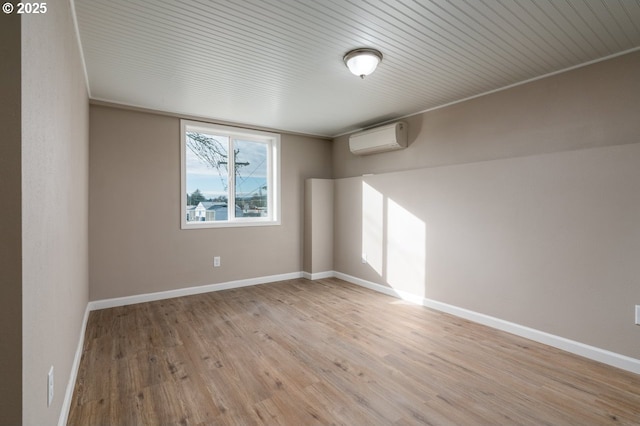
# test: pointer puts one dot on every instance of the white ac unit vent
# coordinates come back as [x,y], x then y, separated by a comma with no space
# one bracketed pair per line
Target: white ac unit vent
[379,139]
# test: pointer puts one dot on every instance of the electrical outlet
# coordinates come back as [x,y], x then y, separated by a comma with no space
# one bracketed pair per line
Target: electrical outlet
[50,387]
[216,261]
[637,314]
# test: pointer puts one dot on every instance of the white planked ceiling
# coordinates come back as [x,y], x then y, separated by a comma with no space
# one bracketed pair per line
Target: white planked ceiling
[278,64]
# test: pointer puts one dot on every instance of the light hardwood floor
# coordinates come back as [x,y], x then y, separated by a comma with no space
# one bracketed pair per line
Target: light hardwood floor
[327,352]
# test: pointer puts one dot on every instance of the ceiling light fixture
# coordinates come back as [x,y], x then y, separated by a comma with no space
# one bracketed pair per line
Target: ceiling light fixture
[362,62]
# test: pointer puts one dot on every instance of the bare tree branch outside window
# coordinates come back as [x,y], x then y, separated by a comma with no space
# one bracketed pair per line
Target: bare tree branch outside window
[211,152]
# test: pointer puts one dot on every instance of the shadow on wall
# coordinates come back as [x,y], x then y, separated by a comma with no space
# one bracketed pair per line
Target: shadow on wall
[393,243]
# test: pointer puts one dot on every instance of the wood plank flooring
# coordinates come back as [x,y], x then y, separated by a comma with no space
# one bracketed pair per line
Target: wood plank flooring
[327,352]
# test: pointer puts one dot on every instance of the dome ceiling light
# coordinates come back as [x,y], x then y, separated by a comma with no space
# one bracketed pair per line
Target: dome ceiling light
[362,62]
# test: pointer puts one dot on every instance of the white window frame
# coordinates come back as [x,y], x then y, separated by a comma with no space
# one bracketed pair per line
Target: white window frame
[272,140]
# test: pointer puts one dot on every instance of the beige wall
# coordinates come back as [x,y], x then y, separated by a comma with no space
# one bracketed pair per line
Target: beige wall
[532,220]
[10,224]
[318,222]
[136,244]
[591,106]
[55,143]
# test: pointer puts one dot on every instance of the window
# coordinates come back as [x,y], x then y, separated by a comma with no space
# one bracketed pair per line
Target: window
[230,176]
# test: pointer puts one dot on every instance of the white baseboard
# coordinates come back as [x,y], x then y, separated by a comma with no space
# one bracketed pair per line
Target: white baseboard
[318,275]
[66,403]
[597,354]
[188,291]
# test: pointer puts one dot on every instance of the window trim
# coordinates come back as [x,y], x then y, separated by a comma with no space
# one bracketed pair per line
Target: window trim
[273,178]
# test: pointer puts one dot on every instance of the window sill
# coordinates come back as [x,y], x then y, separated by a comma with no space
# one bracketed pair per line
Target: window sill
[234,224]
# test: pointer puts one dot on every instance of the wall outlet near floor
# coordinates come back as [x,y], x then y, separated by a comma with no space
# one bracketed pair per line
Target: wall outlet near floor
[637,314]
[216,261]
[50,387]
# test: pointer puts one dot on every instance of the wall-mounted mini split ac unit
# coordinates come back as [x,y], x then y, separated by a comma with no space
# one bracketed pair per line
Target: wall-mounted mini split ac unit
[379,139]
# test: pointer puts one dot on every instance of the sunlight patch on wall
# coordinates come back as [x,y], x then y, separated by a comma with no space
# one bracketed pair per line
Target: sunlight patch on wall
[372,227]
[394,243]
[406,241]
